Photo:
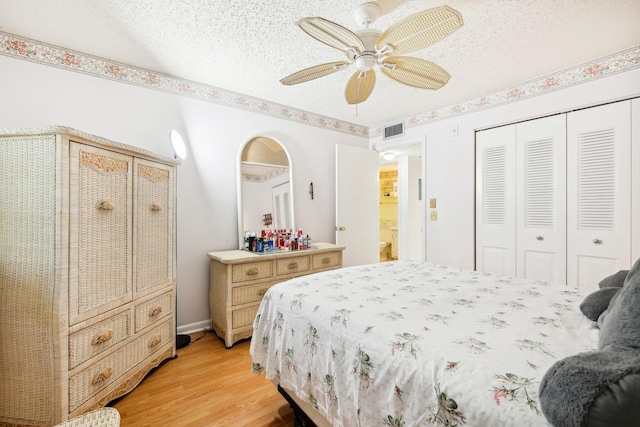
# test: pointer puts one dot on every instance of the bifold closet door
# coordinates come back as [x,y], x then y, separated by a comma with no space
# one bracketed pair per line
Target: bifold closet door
[598,193]
[495,201]
[541,199]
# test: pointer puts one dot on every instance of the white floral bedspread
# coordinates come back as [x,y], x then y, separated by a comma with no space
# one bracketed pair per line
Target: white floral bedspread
[416,344]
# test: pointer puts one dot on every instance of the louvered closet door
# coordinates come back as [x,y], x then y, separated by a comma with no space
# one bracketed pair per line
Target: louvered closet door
[153,224]
[541,199]
[598,193]
[495,201]
[100,231]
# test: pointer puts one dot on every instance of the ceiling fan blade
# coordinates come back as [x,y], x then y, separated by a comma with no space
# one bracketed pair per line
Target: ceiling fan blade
[314,72]
[331,34]
[360,86]
[420,30]
[415,72]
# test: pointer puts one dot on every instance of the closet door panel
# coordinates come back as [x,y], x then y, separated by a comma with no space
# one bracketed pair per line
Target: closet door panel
[598,193]
[635,179]
[495,201]
[541,198]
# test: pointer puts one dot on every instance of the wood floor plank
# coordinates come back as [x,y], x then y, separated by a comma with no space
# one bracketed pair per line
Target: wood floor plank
[207,385]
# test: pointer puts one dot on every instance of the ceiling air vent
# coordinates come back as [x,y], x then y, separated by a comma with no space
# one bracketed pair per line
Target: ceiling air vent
[394,130]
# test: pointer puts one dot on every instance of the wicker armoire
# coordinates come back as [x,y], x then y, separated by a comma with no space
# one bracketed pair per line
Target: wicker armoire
[87,271]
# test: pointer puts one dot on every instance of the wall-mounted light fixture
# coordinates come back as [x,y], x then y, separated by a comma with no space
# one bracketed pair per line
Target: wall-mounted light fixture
[177,145]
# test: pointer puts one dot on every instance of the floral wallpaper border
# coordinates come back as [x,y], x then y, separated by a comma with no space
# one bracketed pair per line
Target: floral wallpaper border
[35,51]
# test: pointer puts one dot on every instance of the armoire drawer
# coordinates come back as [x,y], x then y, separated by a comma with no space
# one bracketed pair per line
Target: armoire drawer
[252,271]
[250,293]
[89,382]
[93,340]
[153,310]
[299,264]
[326,260]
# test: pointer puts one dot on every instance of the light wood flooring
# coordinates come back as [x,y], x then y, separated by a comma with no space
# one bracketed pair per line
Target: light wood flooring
[207,385]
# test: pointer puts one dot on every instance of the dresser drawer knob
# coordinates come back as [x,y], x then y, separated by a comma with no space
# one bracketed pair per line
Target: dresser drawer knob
[155,311]
[326,260]
[105,205]
[252,272]
[102,377]
[155,341]
[293,266]
[156,207]
[262,291]
[102,338]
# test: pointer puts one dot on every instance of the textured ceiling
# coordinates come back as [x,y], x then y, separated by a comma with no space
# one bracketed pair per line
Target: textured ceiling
[248,46]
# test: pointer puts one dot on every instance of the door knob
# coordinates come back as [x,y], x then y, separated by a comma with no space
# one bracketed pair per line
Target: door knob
[341,228]
[539,237]
[597,241]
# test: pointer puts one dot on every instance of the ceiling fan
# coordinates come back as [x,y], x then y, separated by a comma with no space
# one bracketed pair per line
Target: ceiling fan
[369,48]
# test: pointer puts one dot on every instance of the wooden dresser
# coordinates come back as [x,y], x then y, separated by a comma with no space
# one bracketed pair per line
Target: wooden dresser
[87,271]
[239,280]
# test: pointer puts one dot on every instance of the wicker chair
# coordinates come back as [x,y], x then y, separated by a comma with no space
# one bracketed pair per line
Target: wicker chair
[103,417]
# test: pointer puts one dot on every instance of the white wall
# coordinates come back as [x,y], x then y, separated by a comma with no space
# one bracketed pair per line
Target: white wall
[450,160]
[35,95]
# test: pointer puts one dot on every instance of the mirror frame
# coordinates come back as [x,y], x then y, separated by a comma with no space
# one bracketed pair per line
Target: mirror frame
[239,185]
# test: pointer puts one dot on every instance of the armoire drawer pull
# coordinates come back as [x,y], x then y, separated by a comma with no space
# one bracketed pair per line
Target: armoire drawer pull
[105,205]
[262,291]
[292,266]
[326,260]
[156,207]
[102,338]
[597,241]
[155,311]
[155,341]
[102,377]
[539,237]
[252,272]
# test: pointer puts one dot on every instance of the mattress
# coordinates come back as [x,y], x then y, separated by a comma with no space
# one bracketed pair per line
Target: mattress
[409,343]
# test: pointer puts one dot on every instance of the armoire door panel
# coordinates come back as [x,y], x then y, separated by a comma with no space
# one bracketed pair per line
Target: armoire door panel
[100,232]
[598,193]
[541,197]
[153,224]
[495,201]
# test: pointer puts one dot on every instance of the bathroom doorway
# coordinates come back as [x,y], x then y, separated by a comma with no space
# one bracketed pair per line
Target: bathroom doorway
[402,206]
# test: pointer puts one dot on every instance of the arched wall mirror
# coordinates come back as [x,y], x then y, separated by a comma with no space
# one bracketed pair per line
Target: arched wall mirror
[265,190]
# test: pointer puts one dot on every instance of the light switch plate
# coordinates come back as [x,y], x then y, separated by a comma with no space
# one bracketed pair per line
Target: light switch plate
[432,203]
[434,215]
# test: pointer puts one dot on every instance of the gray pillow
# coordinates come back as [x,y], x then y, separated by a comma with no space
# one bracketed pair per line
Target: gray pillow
[601,388]
[597,302]
[616,280]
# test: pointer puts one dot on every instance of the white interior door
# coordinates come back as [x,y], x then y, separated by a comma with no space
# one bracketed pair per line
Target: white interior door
[598,193]
[357,205]
[495,201]
[541,199]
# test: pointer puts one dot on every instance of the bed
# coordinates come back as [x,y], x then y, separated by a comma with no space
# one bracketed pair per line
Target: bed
[416,344]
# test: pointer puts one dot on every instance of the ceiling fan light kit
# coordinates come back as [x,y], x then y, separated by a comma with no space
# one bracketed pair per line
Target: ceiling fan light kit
[370,49]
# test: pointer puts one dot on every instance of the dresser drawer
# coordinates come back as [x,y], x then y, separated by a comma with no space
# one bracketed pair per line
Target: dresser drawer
[250,293]
[244,316]
[87,383]
[93,340]
[153,310]
[252,271]
[326,260]
[299,264]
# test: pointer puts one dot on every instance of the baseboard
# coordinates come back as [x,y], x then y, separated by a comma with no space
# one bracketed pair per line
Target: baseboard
[194,327]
